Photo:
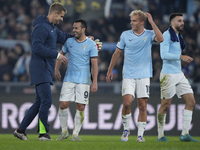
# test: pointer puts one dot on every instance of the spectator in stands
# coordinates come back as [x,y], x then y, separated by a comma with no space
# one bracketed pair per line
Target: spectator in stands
[5,67]
[21,69]
[16,23]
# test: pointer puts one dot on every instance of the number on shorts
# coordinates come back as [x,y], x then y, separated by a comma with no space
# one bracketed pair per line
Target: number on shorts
[86,94]
[147,89]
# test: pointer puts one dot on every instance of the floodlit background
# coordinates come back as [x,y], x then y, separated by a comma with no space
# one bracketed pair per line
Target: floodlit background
[106,19]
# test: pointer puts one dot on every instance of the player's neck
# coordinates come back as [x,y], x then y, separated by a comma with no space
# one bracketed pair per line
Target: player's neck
[177,32]
[81,39]
[138,32]
[50,18]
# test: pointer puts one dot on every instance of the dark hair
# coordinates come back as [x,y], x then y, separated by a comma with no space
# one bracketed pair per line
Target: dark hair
[173,15]
[57,7]
[83,23]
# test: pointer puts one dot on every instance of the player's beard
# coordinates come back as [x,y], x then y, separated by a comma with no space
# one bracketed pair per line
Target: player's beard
[78,35]
[180,28]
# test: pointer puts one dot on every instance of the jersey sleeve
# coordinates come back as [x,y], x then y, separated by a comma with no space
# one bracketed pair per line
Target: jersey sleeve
[164,48]
[152,35]
[64,47]
[121,43]
[93,51]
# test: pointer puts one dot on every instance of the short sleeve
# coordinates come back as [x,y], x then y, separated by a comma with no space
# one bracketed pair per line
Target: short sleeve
[152,35]
[121,43]
[64,47]
[93,51]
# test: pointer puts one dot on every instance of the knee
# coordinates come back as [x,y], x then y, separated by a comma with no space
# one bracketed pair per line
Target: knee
[48,104]
[80,107]
[127,105]
[142,107]
[63,105]
[191,103]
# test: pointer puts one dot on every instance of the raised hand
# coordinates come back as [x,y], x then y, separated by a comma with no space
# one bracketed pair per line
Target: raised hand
[150,19]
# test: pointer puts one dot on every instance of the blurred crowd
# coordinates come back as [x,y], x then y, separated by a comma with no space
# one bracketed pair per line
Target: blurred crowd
[16,17]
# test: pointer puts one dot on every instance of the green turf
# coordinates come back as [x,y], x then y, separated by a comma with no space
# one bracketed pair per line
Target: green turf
[94,142]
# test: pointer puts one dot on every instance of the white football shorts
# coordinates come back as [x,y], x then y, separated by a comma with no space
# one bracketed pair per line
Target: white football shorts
[78,93]
[140,87]
[172,84]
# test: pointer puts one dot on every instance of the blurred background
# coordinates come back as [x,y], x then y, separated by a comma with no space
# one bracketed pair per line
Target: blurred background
[106,19]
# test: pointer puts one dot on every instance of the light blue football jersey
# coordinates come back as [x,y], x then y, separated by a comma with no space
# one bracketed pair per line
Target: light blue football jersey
[78,69]
[137,54]
[170,53]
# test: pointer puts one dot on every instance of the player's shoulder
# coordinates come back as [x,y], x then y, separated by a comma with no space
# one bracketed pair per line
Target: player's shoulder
[90,41]
[71,39]
[166,34]
[147,31]
[127,32]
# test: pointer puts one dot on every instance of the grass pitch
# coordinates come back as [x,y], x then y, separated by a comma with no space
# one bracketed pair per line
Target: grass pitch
[94,142]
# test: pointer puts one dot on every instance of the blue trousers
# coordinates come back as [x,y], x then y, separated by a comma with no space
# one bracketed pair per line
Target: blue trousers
[41,106]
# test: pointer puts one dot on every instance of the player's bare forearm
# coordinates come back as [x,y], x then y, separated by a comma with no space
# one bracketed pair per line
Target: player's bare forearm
[94,62]
[58,62]
[57,66]
[159,37]
[114,59]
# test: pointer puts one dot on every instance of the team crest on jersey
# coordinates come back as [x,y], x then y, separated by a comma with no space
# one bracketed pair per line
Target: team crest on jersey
[84,47]
[144,38]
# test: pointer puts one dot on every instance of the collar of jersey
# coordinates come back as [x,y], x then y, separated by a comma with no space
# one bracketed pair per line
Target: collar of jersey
[139,34]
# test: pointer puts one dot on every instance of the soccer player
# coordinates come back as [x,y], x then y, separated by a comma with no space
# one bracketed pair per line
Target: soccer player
[137,69]
[172,79]
[43,45]
[76,85]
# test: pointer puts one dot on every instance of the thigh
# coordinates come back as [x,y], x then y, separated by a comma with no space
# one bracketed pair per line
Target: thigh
[44,92]
[128,87]
[142,88]
[67,92]
[183,87]
[168,85]
[82,93]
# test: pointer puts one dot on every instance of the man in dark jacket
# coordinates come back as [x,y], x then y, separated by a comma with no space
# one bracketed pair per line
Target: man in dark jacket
[44,38]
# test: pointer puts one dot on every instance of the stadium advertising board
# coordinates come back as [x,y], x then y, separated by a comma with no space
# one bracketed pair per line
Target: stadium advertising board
[102,116]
